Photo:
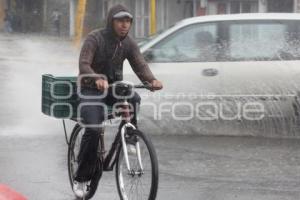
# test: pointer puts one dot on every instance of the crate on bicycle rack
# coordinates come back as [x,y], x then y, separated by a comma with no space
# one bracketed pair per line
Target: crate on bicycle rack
[59,96]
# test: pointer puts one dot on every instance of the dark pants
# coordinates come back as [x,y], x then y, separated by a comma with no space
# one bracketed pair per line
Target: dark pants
[95,115]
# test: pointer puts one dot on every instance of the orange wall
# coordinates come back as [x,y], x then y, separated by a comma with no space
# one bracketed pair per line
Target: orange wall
[2,7]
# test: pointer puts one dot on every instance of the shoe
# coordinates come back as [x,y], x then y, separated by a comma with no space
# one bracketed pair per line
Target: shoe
[80,189]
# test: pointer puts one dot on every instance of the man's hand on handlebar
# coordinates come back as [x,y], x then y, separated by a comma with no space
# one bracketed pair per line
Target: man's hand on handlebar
[156,85]
[101,84]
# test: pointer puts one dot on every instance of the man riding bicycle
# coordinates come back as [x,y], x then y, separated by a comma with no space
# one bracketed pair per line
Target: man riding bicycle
[100,64]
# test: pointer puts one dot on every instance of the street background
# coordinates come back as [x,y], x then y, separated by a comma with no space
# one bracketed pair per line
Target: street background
[33,152]
[78,17]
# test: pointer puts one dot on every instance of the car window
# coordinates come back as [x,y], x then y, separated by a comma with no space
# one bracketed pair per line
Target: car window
[194,43]
[273,40]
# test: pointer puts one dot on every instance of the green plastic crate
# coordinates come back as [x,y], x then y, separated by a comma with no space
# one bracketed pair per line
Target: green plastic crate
[59,96]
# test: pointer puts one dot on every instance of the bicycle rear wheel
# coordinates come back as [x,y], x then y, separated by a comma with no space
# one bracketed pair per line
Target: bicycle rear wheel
[73,152]
[139,184]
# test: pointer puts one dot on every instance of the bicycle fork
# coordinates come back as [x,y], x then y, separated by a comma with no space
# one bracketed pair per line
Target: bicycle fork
[125,151]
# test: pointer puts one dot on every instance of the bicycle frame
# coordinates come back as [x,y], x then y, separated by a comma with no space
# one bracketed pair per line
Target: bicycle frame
[137,146]
[110,160]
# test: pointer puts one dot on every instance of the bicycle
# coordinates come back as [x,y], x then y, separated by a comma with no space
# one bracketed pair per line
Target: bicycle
[130,168]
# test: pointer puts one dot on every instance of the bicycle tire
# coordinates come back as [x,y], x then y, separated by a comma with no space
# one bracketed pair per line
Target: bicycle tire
[98,172]
[154,168]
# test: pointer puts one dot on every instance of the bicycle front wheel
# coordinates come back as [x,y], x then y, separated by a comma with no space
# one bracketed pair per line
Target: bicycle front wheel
[141,181]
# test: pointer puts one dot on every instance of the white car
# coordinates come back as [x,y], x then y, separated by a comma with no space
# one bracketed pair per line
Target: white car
[238,67]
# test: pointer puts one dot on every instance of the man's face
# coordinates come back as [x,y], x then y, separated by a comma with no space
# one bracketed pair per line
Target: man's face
[122,26]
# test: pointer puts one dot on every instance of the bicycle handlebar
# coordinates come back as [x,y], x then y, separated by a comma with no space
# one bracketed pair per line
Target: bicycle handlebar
[145,85]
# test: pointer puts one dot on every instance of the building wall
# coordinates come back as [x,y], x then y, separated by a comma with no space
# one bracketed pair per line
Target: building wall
[28,15]
[2,8]
[161,14]
[169,12]
[215,7]
[63,7]
[297,6]
[212,8]
[94,16]
[35,15]
[280,6]
[262,6]
[178,10]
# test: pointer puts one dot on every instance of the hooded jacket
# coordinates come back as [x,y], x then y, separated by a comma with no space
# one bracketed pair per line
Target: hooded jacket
[104,53]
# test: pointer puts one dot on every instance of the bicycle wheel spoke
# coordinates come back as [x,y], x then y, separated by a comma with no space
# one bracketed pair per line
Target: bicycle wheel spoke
[136,190]
[141,184]
[131,188]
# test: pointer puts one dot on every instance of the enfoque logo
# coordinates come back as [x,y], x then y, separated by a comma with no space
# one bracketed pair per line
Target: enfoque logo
[180,106]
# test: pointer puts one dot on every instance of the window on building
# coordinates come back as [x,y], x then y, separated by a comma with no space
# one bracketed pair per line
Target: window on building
[247,7]
[243,7]
[235,7]
[222,8]
[142,17]
[280,5]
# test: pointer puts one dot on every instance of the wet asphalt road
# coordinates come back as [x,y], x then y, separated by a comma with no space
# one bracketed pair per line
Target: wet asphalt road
[194,168]
[33,153]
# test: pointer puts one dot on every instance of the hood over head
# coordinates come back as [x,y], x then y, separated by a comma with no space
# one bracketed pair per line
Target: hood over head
[113,11]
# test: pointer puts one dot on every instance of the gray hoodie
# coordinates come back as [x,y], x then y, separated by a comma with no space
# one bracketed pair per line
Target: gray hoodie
[104,53]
